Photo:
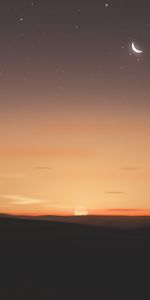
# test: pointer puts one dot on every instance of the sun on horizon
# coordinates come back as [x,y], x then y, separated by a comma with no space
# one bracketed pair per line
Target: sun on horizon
[81,211]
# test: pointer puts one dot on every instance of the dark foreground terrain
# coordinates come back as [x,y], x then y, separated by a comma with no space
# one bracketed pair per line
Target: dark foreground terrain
[53,260]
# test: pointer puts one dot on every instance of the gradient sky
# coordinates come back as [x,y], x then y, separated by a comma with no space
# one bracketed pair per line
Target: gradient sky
[74,106]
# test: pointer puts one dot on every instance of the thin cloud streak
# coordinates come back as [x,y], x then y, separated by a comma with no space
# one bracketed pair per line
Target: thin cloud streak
[114,192]
[125,209]
[42,168]
[130,168]
[21,200]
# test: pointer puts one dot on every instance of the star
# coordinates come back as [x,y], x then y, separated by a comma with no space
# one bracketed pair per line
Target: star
[21,19]
[77,27]
[106,4]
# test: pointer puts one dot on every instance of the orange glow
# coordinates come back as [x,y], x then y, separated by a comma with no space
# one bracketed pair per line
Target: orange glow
[121,212]
[53,165]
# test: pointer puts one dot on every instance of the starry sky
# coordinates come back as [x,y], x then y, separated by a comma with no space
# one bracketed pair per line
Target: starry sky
[74,107]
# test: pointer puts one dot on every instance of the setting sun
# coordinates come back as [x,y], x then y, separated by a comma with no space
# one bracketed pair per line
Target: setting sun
[80,211]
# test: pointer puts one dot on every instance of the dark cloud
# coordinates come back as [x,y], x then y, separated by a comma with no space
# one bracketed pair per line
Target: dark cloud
[114,192]
[124,209]
[130,168]
[42,168]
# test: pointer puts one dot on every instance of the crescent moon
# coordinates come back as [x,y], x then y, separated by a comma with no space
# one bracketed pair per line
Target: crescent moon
[135,49]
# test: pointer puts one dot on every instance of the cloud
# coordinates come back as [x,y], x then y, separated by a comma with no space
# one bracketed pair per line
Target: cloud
[21,200]
[130,168]
[42,168]
[125,209]
[114,192]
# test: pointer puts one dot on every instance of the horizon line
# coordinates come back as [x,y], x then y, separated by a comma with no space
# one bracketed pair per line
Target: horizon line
[91,213]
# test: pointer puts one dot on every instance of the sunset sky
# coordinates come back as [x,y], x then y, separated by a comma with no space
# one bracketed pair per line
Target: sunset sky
[74,106]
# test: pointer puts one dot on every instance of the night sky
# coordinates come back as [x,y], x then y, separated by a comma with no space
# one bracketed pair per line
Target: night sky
[74,107]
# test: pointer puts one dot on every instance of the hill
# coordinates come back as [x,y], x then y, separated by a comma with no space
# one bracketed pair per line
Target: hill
[57,260]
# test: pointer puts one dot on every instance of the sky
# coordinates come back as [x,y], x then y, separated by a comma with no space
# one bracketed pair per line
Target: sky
[74,107]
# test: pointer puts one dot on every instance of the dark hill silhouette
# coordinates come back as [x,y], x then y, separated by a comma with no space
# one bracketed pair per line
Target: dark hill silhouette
[127,222]
[57,260]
